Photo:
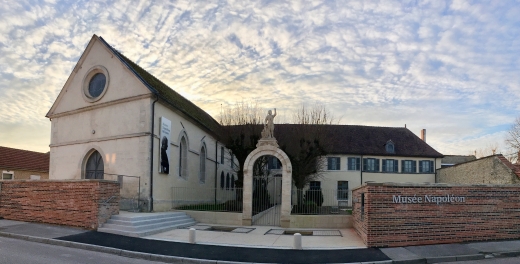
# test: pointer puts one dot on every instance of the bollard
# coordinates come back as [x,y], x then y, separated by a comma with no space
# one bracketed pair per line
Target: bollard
[192,235]
[297,243]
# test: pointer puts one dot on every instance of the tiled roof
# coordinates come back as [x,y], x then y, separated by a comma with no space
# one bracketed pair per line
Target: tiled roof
[514,168]
[170,96]
[18,159]
[359,140]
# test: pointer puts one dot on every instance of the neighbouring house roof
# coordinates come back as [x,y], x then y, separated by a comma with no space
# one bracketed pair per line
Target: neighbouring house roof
[513,167]
[19,159]
[358,140]
[456,159]
[167,94]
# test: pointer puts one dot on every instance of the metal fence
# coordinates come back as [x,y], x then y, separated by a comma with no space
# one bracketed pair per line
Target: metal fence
[207,199]
[130,187]
[321,202]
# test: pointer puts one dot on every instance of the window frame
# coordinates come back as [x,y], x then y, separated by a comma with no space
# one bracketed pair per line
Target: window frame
[356,163]
[183,158]
[413,166]
[393,162]
[338,163]
[366,163]
[5,173]
[430,166]
[314,184]
[342,191]
[202,165]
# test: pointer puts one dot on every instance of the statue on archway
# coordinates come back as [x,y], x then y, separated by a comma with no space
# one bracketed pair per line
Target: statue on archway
[268,131]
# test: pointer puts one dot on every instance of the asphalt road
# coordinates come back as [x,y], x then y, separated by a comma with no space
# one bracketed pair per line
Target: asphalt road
[22,251]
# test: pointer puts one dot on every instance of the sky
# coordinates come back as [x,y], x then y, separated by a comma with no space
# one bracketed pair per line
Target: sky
[450,67]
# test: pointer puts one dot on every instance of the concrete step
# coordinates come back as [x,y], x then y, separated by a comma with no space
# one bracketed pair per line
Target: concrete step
[146,224]
[147,221]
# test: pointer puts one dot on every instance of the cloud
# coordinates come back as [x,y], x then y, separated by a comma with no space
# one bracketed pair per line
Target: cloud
[448,66]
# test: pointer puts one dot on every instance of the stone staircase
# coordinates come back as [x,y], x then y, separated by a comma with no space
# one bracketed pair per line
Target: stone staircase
[145,224]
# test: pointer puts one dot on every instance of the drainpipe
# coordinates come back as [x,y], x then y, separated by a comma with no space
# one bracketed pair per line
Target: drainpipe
[361,169]
[216,169]
[150,206]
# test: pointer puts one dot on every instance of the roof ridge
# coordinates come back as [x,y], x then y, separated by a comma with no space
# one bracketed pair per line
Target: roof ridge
[168,95]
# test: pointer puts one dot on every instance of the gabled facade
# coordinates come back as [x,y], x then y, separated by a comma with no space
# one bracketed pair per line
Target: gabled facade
[106,124]
[494,169]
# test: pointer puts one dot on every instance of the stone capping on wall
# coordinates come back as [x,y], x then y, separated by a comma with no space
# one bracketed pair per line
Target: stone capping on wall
[80,203]
[478,212]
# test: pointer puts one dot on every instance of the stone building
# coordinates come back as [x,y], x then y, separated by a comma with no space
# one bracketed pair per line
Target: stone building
[495,169]
[114,120]
[18,164]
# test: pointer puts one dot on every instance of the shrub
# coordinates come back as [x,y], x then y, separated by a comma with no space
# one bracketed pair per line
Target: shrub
[314,195]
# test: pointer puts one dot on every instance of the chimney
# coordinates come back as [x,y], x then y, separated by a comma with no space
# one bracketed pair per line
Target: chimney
[423,135]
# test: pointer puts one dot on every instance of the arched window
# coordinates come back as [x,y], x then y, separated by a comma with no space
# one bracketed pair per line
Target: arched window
[227,181]
[94,168]
[222,180]
[232,182]
[183,159]
[202,170]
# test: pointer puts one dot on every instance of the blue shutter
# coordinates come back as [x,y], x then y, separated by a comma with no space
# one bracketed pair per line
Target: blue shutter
[402,166]
[364,164]
[431,167]
[396,166]
[420,166]
[329,165]
[338,164]
[384,165]
[377,164]
[358,165]
[414,166]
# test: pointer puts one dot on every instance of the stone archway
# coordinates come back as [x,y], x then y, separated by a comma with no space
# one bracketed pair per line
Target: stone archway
[262,150]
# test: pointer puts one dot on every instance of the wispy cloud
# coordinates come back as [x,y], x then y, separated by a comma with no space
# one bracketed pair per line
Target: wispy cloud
[448,66]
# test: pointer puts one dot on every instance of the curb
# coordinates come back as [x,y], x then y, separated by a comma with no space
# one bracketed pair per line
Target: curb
[175,259]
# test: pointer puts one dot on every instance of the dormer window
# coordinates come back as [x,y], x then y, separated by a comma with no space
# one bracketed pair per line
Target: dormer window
[390,148]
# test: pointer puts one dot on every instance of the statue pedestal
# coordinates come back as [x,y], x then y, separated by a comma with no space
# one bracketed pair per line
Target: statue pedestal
[267,141]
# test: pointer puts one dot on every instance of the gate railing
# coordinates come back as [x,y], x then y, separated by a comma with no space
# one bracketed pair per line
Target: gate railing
[130,191]
[207,199]
[321,202]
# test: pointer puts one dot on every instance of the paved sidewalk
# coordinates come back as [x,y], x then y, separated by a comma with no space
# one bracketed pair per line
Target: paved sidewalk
[177,252]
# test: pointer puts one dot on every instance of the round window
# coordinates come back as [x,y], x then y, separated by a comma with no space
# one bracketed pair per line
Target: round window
[97,85]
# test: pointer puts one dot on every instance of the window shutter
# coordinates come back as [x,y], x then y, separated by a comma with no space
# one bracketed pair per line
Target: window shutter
[414,166]
[402,166]
[377,164]
[384,165]
[329,165]
[338,164]
[421,166]
[364,164]
[358,165]
[431,167]
[396,165]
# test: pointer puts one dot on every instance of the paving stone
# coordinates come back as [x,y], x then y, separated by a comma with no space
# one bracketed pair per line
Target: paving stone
[275,232]
[242,230]
[326,233]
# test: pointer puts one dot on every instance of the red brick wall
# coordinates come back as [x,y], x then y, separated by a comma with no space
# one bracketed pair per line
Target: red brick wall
[80,203]
[489,212]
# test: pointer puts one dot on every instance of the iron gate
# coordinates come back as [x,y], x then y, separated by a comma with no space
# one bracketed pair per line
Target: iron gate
[267,200]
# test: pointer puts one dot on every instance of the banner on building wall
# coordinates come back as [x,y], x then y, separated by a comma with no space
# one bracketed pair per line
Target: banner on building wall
[164,161]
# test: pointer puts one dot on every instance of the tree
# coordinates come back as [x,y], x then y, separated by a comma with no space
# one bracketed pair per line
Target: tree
[513,140]
[305,142]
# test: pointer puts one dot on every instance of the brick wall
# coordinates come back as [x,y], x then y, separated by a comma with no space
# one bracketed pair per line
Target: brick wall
[80,203]
[488,170]
[487,212]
